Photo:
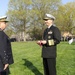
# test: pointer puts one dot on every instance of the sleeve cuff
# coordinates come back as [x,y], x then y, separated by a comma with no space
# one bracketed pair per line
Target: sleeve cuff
[51,42]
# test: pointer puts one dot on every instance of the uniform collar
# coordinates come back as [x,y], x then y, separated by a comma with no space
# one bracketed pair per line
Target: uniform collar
[49,26]
[0,29]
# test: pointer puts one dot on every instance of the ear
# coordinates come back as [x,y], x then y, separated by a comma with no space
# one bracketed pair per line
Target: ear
[0,23]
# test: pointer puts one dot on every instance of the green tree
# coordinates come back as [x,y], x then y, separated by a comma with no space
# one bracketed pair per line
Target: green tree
[66,17]
[17,12]
[39,9]
[29,14]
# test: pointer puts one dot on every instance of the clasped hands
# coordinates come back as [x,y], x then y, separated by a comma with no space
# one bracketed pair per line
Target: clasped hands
[41,42]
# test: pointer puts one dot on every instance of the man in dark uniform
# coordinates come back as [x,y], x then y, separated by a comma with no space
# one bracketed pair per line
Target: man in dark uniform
[6,57]
[51,38]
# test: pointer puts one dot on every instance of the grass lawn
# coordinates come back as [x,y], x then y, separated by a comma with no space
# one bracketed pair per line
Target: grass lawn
[28,61]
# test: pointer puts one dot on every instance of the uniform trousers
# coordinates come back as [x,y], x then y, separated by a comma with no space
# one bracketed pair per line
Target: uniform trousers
[49,66]
[5,72]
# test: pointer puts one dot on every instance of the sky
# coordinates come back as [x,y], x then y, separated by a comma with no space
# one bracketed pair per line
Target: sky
[66,1]
[4,6]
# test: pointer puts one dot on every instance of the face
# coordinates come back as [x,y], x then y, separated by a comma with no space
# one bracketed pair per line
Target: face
[3,25]
[48,22]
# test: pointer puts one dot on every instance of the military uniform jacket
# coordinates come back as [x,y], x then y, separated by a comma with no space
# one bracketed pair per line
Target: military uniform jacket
[52,33]
[5,50]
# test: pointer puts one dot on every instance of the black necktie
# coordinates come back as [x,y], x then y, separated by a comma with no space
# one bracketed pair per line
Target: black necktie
[47,29]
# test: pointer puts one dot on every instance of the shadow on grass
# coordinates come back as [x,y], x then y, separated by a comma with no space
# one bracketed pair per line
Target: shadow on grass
[30,66]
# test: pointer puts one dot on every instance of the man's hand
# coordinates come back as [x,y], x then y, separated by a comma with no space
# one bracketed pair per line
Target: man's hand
[5,67]
[39,43]
[43,41]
